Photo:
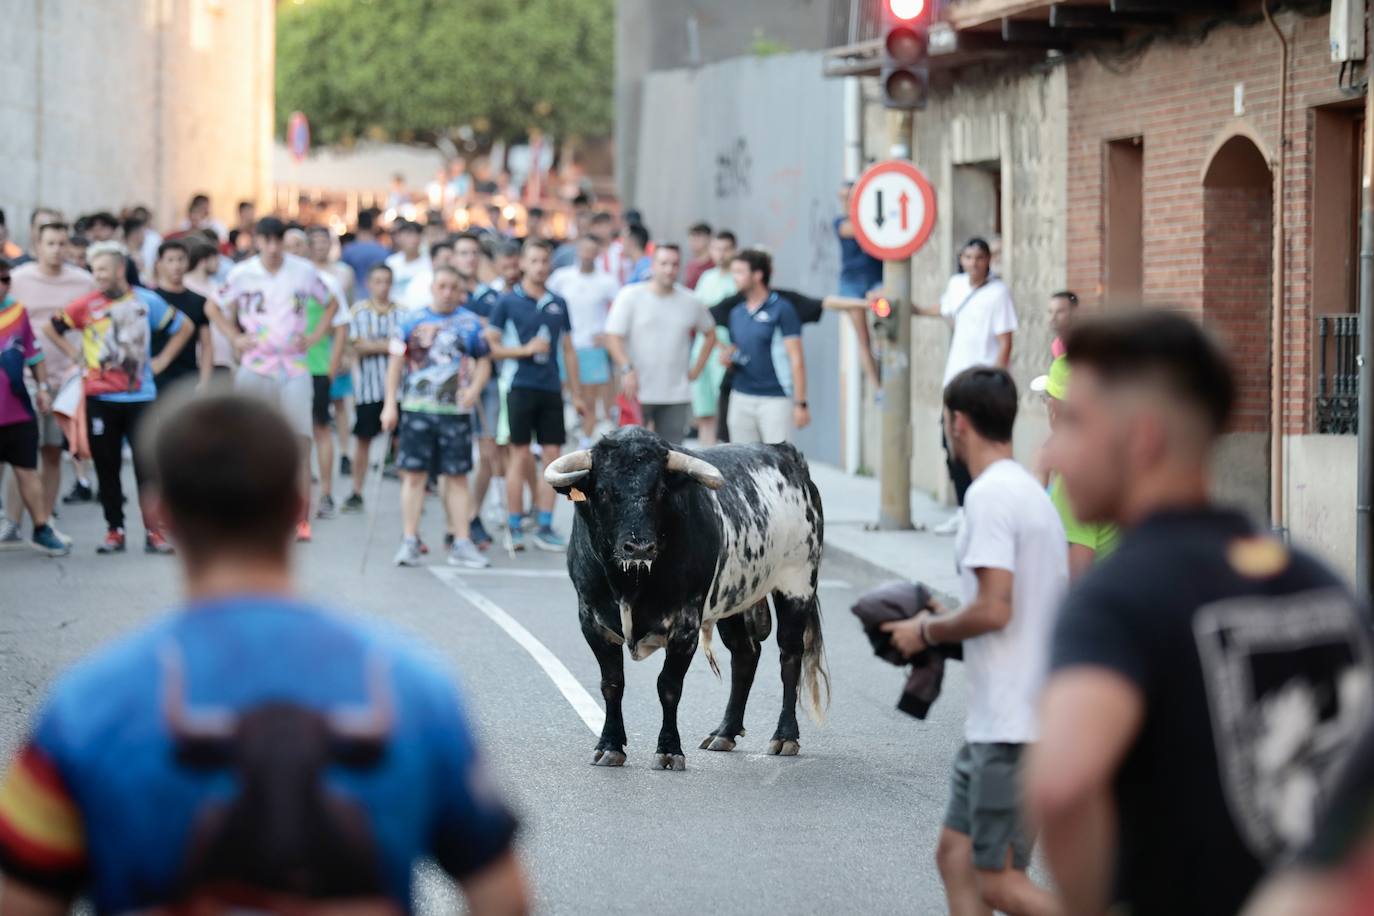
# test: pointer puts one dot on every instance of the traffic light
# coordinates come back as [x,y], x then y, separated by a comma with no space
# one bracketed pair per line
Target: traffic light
[884,322]
[906,40]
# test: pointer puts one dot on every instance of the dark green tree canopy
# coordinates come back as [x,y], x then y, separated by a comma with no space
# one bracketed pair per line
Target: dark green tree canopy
[415,71]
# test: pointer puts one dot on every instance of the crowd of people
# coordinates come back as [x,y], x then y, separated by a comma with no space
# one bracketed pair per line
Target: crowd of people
[426,354]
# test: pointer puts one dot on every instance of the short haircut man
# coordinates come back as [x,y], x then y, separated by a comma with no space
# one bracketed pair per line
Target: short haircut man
[758,262]
[987,396]
[725,235]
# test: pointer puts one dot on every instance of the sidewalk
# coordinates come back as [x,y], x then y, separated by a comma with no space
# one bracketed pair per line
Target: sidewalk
[851,505]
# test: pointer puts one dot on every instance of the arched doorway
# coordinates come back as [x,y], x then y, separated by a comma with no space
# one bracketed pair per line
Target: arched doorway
[1237,276]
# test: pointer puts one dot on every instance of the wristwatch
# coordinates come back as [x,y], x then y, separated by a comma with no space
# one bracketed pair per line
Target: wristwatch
[803,405]
[626,369]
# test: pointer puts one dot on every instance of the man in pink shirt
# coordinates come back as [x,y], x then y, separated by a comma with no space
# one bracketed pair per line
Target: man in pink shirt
[46,285]
[263,311]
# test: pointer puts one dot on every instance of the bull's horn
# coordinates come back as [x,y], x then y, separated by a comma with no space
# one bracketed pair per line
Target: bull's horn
[569,469]
[703,472]
[184,721]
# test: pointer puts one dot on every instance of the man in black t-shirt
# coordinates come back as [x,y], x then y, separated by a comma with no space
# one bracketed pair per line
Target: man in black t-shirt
[1206,680]
[173,260]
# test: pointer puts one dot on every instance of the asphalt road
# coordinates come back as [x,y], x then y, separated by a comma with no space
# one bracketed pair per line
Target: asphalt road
[848,826]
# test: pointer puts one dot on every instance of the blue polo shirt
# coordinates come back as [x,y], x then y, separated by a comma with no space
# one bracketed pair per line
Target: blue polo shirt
[482,301]
[762,368]
[519,317]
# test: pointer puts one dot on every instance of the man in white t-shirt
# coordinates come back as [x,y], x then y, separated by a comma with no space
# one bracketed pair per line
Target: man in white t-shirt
[650,332]
[1013,565]
[589,293]
[409,263]
[979,309]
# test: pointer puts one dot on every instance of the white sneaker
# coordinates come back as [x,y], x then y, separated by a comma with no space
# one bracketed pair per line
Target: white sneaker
[11,538]
[409,553]
[951,526]
[465,553]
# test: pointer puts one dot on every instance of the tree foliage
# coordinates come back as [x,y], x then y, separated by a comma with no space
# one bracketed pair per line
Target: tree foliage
[415,71]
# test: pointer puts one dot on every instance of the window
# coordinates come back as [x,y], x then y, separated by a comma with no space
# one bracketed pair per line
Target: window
[1125,242]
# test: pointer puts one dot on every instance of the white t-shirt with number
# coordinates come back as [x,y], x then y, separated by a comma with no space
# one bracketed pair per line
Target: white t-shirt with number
[979,316]
[1010,523]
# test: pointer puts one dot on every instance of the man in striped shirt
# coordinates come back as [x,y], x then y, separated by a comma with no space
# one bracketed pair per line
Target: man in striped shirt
[373,325]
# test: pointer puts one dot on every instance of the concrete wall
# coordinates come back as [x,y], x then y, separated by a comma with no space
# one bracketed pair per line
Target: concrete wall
[727,144]
[1321,497]
[656,35]
[986,138]
[107,103]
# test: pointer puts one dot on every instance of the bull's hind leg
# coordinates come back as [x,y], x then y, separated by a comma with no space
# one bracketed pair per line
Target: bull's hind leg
[679,658]
[744,661]
[791,632]
[610,750]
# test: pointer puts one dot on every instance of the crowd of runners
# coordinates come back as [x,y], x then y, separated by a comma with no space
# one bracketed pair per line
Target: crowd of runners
[446,359]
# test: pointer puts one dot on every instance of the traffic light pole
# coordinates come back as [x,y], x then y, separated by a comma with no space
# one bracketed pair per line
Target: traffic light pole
[894,512]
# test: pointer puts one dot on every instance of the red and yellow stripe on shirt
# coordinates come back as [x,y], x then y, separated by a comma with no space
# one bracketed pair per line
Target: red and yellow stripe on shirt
[40,825]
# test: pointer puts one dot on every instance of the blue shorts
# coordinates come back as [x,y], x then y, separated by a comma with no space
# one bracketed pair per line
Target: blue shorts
[594,366]
[342,387]
[484,421]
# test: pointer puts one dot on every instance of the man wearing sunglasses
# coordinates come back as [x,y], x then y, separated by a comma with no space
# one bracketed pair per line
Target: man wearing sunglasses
[19,414]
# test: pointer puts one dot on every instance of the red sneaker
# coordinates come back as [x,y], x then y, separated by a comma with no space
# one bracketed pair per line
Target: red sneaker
[303,531]
[157,543]
[113,543]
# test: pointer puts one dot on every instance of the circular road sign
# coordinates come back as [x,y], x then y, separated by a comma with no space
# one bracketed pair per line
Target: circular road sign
[298,136]
[892,210]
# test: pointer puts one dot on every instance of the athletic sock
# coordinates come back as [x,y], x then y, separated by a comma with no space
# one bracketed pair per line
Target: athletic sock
[545,519]
[514,521]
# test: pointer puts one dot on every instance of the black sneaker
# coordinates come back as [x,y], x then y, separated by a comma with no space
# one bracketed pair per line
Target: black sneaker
[353,504]
[345,465]
[80,493]
[448,541]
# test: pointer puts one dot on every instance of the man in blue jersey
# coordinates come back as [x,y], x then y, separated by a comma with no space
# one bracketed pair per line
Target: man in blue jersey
[252,750]
[768,395]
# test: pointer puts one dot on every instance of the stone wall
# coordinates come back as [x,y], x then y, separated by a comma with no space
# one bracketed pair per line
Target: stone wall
[108,103]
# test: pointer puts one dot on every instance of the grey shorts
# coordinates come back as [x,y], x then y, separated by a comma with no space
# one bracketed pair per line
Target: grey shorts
[50,432]
[293,395]
[484,421]
[669,420]
[984,805]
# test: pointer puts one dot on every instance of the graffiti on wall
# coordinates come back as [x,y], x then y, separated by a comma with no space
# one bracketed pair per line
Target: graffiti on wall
[734,167]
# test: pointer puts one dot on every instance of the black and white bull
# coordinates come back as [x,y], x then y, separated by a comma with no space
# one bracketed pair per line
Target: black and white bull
[667,545]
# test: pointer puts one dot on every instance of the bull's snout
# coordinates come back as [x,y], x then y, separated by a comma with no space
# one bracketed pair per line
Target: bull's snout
[632,549]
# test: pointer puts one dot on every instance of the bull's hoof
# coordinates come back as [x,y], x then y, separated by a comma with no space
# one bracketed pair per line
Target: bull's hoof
[784,748]
[670,762]
[718,743]
[608,758]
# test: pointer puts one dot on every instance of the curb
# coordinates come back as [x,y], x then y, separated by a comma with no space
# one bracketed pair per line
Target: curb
[945,598]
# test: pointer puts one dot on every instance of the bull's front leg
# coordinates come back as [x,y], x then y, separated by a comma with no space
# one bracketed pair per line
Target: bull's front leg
[681,647]
[610,750]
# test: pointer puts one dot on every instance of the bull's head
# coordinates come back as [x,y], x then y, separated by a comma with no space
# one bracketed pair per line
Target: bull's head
[625,479]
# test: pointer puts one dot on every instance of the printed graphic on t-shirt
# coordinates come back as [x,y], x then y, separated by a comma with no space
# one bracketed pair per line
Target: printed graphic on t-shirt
[441,354]
[1288,688]
[115,344]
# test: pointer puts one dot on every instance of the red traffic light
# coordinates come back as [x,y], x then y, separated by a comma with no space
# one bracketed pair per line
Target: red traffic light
[906,9]
[882,307]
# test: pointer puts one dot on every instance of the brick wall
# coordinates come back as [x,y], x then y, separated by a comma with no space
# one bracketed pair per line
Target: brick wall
[1179,95]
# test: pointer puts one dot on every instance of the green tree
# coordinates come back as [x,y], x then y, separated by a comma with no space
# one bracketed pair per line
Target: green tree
[415,71]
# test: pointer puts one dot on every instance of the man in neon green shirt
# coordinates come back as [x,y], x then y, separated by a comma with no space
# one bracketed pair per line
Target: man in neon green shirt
[1088,543]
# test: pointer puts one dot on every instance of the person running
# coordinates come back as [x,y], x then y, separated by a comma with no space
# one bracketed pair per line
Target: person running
[979,307]
[409,262]
[650,332]
[19,413]
[117,323]
[768,390]
[436,373]
[325,362]
[1089,543]
[263,309]
[138,786]
[45,285]
[714,285]
[371,331]
[196,358]
[589,294]
[1013,570]
[532,318]
[1206,679]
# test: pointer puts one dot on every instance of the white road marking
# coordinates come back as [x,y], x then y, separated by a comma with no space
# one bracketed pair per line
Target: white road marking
[572,690]
[509,573]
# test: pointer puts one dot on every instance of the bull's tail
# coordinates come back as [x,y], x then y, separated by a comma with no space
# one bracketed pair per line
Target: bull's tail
[815,675]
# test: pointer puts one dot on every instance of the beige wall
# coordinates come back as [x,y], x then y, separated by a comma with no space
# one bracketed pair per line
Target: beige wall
[114,102]
[986,135]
